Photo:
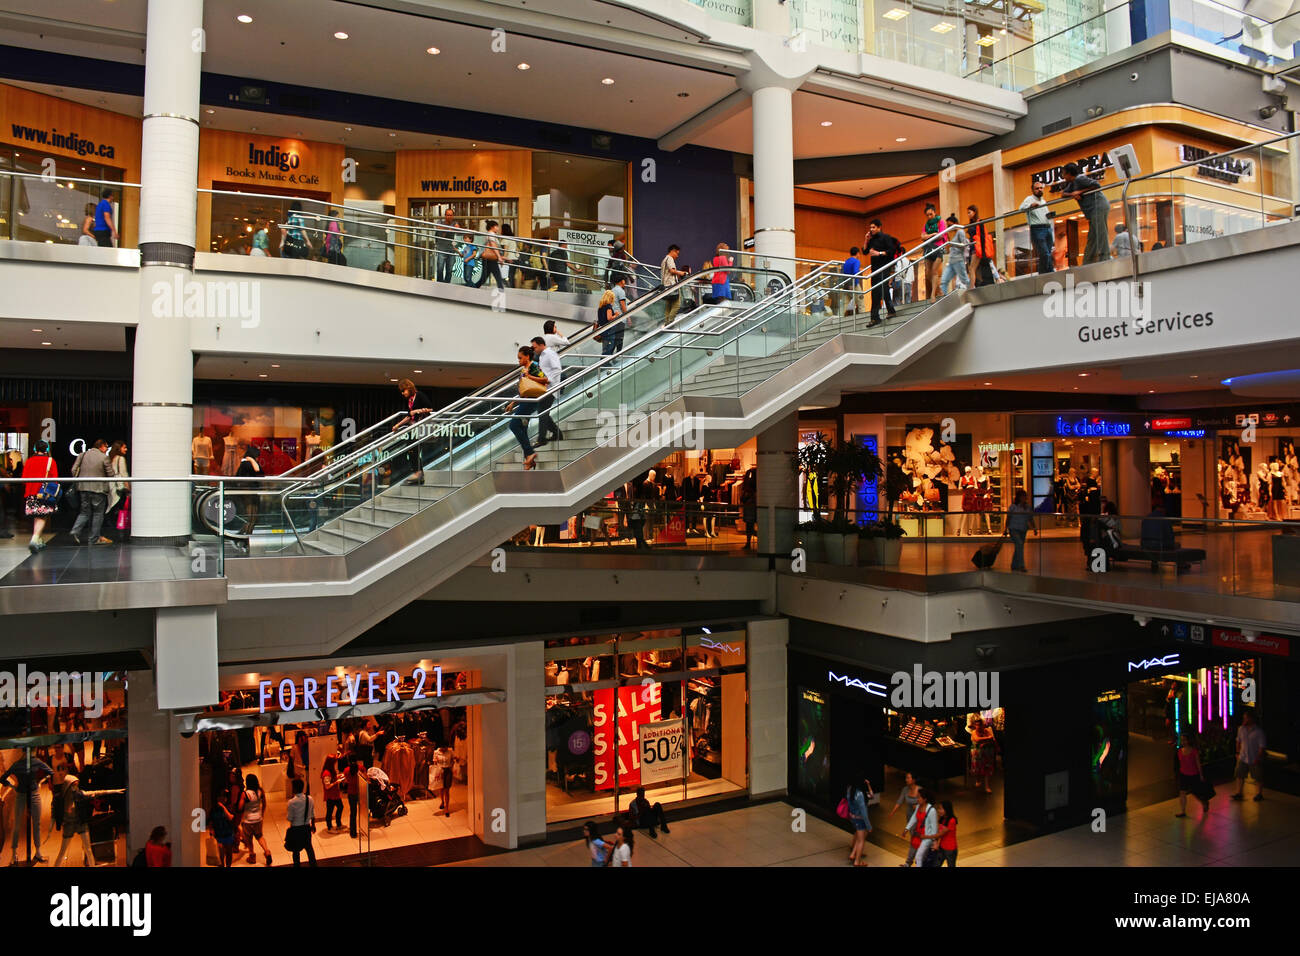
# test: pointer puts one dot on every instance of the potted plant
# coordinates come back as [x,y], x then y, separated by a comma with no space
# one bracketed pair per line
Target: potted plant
[867,535]
[888,542]
[812,537]
[847,466]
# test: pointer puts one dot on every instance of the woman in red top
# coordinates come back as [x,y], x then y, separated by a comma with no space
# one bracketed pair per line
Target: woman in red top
[948,835]
[1191,776]
[722,278]
[158,852]
[39,466]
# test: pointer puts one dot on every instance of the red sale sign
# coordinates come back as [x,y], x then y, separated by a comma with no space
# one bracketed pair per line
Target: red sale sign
[616,732]
[674,530]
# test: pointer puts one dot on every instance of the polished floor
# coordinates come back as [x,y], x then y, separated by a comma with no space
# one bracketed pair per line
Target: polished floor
[1233,834]
[63,562]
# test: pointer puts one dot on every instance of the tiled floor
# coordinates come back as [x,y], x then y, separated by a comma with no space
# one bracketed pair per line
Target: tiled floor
[1234,834]
[62,562]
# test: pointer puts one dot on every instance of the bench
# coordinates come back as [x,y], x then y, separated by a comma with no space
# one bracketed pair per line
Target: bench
[1180,557]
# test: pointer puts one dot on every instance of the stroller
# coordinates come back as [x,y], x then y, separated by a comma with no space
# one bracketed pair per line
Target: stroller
[385,800]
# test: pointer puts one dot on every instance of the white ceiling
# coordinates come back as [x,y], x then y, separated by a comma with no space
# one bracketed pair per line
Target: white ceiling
[219,367]
[87,336]
[861,188]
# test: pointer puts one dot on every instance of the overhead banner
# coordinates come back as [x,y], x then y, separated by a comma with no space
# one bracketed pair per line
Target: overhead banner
[663,751]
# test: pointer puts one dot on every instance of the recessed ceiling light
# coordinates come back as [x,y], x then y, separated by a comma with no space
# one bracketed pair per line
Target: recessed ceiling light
[433,51]
[987,40]
[900,139]
[608,81]
[1084,374]
[47,343]
[943,27]
[680,96]
[1196,376]
[340,35]
[475,145]
[38,330]
[392,380]
[1076,388]
[523,66]
[418,371]
[1151,391]
[253,128]
[392,134]
[988,383]
[209,112]
[347,129]
[244,18]
[826,122]
[273,365]
[895,14]
[261,375]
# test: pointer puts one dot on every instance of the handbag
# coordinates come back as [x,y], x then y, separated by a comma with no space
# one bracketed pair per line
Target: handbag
[529,388]
[842,808]
[48,492]
[124,516]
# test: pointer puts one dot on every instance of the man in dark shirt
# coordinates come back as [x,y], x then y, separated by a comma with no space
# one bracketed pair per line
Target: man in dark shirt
[1089,508]
[883,249]
[1094,204]
[417,406]
[641,813]
[557,264]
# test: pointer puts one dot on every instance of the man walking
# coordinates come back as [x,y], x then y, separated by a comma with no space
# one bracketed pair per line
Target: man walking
[932,231]
[549,361]
[300,816]
[104,229]
[956,242]
[1020,518]
[846,295]
[92,463]
[557,264]
[444,245]
[1250,755]
[1095,206]
[883,249]
[1040,227]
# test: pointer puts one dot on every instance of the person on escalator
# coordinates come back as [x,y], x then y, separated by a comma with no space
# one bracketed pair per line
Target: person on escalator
[416,405]
[669,276]
[721,279]
[549,362]
[529,370]
[249,468]
[883,249]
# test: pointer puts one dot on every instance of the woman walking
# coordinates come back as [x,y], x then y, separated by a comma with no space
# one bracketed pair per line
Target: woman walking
[908,798]
[624,845]
[857,796]
[40,497]
[531,377]
[721,280]
[983,753]
[330,782]
[253,812]
[948,835]
[1191,777]
[224,832]
[119,492]
[598,848]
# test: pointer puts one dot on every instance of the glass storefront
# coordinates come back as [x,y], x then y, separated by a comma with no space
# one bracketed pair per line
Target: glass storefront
[666,710]
[283,436]
[52,210]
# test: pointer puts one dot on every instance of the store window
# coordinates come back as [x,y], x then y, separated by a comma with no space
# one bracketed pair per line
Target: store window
[50,210]
[67,761]
[582,201]
[284,436]
[671,717]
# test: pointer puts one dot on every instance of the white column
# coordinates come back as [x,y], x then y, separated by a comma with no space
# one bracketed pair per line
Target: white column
[773,111]
[768,706]
[778,487]
[162,414]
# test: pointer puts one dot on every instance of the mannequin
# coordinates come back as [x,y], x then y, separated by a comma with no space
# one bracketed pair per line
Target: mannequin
[969,501]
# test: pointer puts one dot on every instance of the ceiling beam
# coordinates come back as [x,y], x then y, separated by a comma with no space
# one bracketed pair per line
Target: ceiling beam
[709,118]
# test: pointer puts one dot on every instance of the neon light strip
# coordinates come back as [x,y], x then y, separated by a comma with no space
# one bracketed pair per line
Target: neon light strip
[1209,695]
[1200,707]
[1178,723]
[1189,700]
[1224,694]
[1232,687]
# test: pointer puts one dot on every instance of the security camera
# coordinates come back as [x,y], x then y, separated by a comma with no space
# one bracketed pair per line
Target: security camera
[985,651]
[1267,112]
[1133,77]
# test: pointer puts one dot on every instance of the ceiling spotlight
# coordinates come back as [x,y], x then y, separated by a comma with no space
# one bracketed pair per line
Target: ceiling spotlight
[340,35]
[38,330]
[392,134]
[418,371]
[209,112]
[895,14]
[608,81]
[900,139]
[47,343]
[523,66]
[1084,374]
[273,365]
[433,51]
[244,18]
[826,122]
[988,383]
[347,129]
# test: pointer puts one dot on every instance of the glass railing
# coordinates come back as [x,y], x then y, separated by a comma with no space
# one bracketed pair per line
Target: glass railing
[67,211]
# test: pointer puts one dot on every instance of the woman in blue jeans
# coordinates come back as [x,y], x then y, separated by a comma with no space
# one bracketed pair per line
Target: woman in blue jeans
[529,369]
[857,795]
[1019,519]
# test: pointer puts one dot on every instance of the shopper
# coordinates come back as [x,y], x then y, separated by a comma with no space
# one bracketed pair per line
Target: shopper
[261,240]
[24,777]
[1108,530]
[558,266]
[294,243]
[956,242]
[848,284]
[908,798]
[933,230]
[1191,777]
[105,229]
[983,754]
[883,249]
[924,825]
[440,777]
[40,496]
[1089,511]
[119,503]
[642,813]
[1121,247]
[981,272]
[444,245]
[87,236]
[1020,518]
[491,256]
[356,770]
[948,834]
[225,829]
[669,276]
[553,371]
[250,492]
[417,407]
[598,848]
[92,463]
[158,849]
[749,506]
[624,843]
[514,275]
[1041,234]
[529,372]
[1250,755]
[857,795]
[251,811]
[553,338]
[1095,206]
[301,818]
[611,341]
[331,781]
[721,279]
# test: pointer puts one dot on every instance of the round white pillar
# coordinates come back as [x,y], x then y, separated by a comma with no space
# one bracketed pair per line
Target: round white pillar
[163,391]
[773,112]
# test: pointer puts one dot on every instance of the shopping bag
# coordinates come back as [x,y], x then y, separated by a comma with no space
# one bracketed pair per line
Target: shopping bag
[986,555]
[124,517]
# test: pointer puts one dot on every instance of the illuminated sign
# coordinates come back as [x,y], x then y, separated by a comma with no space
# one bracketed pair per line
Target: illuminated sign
[1108,696]
[363,687]
[1164,424]
[871,687]
[1169,660]
[1094,166]
[996,446]
[1226,169]
[1092,427]
[718,646]
[275,157]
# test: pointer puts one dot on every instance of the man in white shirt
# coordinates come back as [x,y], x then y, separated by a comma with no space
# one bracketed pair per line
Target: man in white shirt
[549,361]
[1250,754]
[554,340]
[1040,227]
[300,816]
[669,275]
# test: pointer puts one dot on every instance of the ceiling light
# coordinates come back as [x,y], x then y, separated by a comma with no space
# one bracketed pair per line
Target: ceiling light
[943,27]
[1196,376]
[273,365]
[47,343]
[1151,391]
[392,380]
[988,383]
[340,35]
[418,371]
[433,51]
[38,330]
[1003,31]
[895,14]
[608,81]
[253,128]
[261,375]
[680,96]
[900,139]
[347,129]
[209,112]
[1084,374]
[523,66]
[392,134]
[987,40]
[244,18]
[826,122]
